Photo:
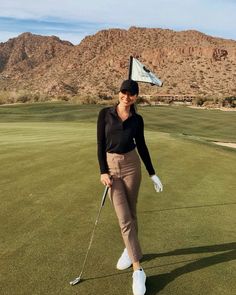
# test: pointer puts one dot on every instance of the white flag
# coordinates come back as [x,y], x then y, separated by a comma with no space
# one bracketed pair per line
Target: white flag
[141,74]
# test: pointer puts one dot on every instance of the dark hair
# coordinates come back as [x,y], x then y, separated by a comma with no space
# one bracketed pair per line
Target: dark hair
[133,108]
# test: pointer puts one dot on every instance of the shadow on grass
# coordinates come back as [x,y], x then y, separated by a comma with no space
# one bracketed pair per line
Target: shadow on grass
[158,282]
[188,207]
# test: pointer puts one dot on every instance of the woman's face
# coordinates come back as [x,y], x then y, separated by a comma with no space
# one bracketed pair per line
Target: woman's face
[126,99]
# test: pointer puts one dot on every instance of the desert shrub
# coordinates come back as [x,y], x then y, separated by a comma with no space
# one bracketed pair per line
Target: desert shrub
[142,100]
[3,96]
[2,100]
[216,100]
[199,101]
[63,98]
[84,99]
[229,102]
[104,96]
[110,102]
[23,97]
[209,103]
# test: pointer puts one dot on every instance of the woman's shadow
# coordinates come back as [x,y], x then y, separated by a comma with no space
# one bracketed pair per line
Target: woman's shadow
[158,282]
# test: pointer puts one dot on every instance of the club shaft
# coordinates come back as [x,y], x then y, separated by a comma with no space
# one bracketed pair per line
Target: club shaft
[96,222]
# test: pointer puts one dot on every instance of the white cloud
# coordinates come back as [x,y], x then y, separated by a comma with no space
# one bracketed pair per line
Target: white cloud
[71,31]
[216,17]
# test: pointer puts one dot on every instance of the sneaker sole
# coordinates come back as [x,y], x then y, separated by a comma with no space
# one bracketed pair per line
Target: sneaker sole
[119,268]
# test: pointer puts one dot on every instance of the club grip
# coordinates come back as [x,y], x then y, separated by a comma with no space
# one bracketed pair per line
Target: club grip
[104,195]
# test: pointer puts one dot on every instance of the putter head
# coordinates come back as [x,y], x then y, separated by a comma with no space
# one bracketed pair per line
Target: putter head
[76,281]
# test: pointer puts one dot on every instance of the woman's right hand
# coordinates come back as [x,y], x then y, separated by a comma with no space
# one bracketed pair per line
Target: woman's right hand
[106,179]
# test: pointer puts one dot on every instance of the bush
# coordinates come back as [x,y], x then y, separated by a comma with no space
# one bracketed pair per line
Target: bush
[229,102]
[142,100]
[63,98]
[84,99]
[3,96]
[104,96]
[21,96]
[199,101]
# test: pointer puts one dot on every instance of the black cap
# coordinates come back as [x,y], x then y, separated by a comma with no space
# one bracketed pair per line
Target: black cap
[130,86]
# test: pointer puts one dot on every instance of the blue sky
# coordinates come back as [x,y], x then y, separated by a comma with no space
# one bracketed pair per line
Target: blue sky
[72,20]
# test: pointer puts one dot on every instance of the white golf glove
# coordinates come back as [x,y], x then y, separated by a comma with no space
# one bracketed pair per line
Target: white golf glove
[157,183]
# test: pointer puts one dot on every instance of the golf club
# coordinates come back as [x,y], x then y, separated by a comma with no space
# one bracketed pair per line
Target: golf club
[78,279]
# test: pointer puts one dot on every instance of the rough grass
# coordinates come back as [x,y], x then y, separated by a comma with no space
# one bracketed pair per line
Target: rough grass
[50,195]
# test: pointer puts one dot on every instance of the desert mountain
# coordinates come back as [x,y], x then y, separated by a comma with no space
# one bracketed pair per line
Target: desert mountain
[188,62]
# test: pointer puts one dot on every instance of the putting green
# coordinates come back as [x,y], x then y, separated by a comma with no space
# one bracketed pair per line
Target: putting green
[50,195]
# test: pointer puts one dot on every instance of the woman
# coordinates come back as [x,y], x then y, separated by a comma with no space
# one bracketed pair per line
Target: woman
[119,131]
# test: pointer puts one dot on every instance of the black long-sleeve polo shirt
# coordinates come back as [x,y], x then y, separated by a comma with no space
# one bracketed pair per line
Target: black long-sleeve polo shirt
[117,136]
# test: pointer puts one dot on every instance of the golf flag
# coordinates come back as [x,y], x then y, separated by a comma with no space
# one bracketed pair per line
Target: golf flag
[138,72]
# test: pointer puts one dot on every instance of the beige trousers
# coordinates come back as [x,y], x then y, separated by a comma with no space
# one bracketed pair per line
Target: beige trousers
[125,170]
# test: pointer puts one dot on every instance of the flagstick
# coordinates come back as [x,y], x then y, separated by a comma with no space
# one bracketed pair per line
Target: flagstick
[130,66]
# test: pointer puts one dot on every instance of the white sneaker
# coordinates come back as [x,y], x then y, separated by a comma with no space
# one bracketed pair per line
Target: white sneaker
[139,279]
[124,261]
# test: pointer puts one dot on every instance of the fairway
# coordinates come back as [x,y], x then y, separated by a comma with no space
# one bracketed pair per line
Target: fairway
[50,193]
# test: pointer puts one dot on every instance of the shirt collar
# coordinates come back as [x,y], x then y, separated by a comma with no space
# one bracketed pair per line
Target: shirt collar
[113,110]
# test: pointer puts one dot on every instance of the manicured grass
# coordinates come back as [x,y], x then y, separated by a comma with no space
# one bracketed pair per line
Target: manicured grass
[50,195]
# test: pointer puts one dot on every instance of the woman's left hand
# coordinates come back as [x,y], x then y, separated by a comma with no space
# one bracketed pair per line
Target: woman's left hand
[157,183]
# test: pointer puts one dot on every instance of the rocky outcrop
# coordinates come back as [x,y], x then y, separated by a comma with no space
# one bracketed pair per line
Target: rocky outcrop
[219,54]
[188,62]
